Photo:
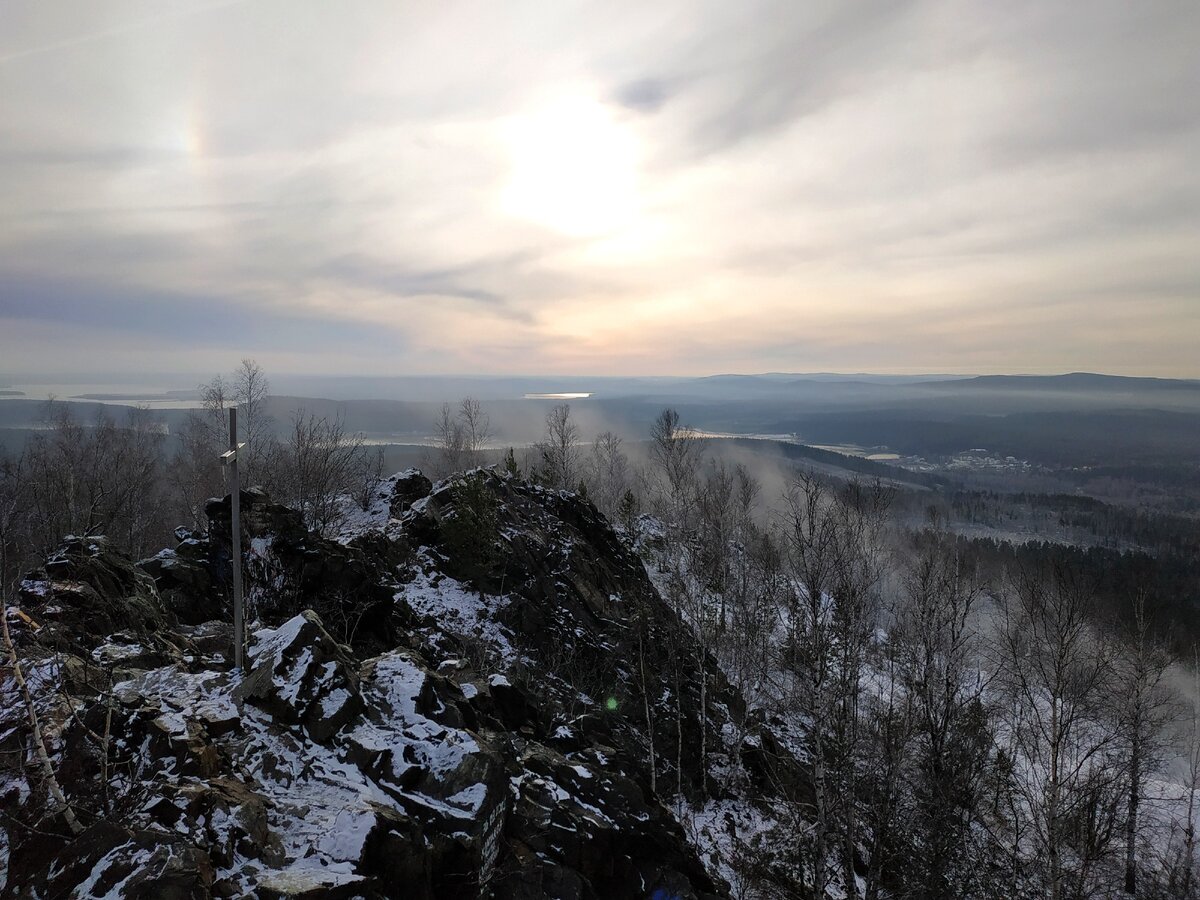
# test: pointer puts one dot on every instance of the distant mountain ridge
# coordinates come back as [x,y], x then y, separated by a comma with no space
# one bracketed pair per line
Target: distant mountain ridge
[1070,381]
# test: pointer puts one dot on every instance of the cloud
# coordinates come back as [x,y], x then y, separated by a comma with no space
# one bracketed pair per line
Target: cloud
[163,316]
[644,95]
[830,185]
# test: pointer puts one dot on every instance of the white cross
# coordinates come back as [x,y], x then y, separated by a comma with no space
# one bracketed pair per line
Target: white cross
[230,459]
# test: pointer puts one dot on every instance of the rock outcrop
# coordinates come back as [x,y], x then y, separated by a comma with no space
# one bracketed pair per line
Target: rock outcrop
[407,725]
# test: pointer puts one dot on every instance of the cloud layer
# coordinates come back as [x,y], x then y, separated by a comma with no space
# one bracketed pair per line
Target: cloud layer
[600,187]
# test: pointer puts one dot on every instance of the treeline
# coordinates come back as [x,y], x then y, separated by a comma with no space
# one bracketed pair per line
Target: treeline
[868,468]
[1076,517]
[1170,582]
[1061,439]
[131,481]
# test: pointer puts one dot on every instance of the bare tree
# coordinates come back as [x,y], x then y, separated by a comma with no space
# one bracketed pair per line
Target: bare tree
[216,396]
[717,521]
[676,450]
[939,652]
[98,479]
[1187,863]
[250,386]
[835,555]
[608,473]
[1057,671]
[476,430]
[450,443]
[14,541]
[460,437]
[323,461]
[35,729]
[890,733]
[195,472]
[559,450]
[369,476]
[859,513]
[808,657]
[1146,708]
[247,390]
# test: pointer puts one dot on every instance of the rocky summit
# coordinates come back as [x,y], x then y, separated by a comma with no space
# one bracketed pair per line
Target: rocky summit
[451,698]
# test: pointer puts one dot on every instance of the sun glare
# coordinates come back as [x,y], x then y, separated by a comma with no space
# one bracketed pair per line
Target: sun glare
[574,169]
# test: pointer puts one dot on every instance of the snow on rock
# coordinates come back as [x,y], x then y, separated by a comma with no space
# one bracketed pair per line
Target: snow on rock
[308,774]
[390,499]
[304,677]
[457,609]
[431,728]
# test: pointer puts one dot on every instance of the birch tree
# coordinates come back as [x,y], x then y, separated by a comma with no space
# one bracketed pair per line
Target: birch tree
[1058,673]
[1146,708]
[559,450]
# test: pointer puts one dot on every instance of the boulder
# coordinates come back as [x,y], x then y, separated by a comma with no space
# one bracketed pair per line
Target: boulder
[86,590]
[185,582]
[301,675]
[404,489]
[108,860]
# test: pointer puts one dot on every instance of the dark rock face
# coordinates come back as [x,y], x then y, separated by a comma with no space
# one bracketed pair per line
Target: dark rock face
[604,837]
[583,608]
[413,737]
[146,865]
[185,580]
[287,569]
[403,490]
[87,589]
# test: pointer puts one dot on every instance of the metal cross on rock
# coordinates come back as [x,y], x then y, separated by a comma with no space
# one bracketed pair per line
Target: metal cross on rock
[230,459]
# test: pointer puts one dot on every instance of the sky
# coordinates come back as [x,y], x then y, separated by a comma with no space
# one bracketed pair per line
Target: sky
[603,188]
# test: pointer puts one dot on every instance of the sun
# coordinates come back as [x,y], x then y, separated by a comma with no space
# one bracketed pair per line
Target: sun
[574,168]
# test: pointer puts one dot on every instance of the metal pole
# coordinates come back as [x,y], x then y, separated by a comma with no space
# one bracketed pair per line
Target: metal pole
[235,498]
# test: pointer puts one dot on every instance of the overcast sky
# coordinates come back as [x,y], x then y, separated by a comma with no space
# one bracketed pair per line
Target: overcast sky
[601,188]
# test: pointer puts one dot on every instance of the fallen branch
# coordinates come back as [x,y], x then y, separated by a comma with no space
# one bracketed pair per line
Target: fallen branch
[39,745]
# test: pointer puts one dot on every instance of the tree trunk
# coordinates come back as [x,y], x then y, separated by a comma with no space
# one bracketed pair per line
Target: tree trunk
[646,706]
[39,745]
[703,728]
[820,834]
[1131,818]
[1052,807]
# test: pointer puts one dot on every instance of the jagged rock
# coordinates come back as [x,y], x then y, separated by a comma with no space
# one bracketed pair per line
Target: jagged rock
[495,736]
[573,587]
[184,579]
[289,568]
[107,860]
[234,817]
[211,641]
[513,705]
[596,822]
[404,489]
[86,590]
[260,516]
[301,676]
